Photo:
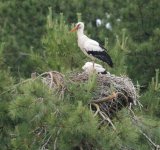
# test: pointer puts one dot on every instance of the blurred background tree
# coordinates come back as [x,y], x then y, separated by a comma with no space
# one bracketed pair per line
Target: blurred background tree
[22,26]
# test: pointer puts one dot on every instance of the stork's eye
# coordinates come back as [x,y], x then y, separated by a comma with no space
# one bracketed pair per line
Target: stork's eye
[78,26]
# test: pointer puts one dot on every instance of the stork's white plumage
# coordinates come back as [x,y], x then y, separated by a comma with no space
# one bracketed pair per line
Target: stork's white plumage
[89,67]
[90,47]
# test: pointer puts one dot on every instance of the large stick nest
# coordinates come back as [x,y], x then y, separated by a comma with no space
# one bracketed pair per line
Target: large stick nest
[112,93]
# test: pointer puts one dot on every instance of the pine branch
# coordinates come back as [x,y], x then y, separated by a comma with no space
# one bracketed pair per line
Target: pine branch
[103,115]
[55,142]
[136,123]
[23,82]
[45,144]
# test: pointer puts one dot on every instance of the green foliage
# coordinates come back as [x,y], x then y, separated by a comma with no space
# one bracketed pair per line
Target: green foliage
[151,98]
[6,123]
[61,50]
[91,82]
[42,117]
[79,127]
[21,30]
[140,18]
[144,60]
[119,53]
[1,55]
[32,106]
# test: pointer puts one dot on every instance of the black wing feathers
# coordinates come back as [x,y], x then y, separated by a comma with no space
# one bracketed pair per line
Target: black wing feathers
[102,55]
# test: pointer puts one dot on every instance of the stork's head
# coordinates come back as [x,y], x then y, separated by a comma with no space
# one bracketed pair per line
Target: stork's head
[79,26]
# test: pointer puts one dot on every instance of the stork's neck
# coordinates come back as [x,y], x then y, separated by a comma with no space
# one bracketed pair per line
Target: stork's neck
[80,32]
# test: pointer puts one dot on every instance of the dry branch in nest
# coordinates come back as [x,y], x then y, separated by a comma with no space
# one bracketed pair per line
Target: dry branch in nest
[112,93]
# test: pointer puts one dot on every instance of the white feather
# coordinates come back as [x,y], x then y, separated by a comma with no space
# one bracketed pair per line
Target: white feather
[89,47]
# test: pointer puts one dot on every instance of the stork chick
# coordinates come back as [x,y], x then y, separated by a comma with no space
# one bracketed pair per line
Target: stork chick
[88,68]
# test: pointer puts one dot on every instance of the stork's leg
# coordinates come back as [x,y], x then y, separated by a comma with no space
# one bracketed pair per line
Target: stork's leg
[93,62]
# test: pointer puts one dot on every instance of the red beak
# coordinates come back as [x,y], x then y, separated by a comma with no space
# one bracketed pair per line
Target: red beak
[74,29]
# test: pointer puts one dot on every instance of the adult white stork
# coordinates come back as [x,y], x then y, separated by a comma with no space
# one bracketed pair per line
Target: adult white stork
[90,47]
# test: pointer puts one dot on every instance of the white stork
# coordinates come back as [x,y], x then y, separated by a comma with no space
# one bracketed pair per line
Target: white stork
[90,47]
[88,68]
